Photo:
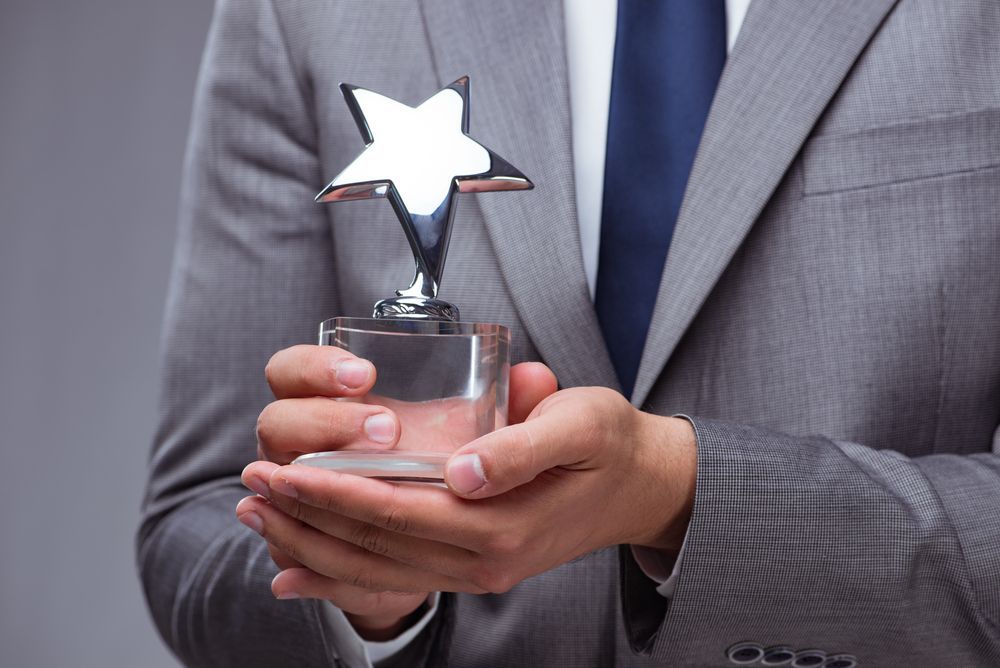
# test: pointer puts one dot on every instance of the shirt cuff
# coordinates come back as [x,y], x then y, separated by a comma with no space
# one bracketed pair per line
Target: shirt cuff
[356,651]
[383,650]
[655,567]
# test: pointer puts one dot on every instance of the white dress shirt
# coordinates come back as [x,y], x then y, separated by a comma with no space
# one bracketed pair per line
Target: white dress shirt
[590,50]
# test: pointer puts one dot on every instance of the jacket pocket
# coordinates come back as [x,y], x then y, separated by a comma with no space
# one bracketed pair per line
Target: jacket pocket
[923,149]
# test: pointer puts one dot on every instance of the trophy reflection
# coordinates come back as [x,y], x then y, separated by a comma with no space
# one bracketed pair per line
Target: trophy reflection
[446,380]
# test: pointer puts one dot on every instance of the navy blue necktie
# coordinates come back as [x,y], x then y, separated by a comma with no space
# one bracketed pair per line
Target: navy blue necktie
[669,55]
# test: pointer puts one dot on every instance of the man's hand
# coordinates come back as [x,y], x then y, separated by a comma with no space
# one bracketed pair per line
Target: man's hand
[305,418]
[583,472]
[634,471]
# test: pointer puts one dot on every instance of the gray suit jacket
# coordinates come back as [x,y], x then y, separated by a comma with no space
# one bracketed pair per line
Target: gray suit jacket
[828,313]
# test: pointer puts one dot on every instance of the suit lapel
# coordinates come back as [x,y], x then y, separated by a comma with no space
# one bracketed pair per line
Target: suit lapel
[515,55]
[789,61]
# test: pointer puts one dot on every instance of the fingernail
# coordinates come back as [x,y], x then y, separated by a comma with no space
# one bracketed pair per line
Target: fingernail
[287,595]
[282,486]
[465,473]
[353,373]
[258,485]
[380,428]
[253,520]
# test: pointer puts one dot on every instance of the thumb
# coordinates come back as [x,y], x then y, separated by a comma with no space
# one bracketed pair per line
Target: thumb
[504,459]
[530,382]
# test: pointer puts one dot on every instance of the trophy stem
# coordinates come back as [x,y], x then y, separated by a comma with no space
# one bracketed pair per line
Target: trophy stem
[408,307]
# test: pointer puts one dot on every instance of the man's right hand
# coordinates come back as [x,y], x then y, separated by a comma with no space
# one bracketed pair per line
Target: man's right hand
[305,418]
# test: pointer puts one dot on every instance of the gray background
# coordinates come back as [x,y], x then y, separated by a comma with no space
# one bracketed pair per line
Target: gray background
[94,105]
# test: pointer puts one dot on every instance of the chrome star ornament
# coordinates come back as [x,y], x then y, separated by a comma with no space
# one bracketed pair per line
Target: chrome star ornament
[420,158]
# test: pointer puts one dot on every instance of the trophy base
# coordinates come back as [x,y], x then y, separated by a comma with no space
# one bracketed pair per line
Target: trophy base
[394,465]
[446,383]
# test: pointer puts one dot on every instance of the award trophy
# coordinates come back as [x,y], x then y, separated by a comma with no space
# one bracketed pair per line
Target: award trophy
[446,380]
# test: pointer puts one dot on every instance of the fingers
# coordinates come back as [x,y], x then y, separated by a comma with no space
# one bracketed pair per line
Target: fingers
[288,428]
[337,559]
[530,382]
[419,552]
[304,583]
[423,554]
[421,511]
[326,371]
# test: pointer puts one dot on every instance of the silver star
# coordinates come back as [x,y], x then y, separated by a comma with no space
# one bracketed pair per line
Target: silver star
[419,158]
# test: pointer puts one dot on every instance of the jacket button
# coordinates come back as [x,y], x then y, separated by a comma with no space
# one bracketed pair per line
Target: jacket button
[745,653]
[841,661]
[778,656]
[809,658]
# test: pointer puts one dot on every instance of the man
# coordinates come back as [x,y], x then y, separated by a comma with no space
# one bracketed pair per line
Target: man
[826,317]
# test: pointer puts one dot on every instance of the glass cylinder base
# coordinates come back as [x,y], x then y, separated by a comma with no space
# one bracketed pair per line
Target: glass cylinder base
[445,381]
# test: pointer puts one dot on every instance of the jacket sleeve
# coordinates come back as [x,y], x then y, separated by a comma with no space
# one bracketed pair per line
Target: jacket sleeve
[253,273]
[813,543]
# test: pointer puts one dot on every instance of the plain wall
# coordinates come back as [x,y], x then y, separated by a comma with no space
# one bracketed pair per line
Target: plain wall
[95,100]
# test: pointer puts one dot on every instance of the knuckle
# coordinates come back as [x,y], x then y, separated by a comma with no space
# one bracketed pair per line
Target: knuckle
[529,450]
[505,544]
[609,409]
[275,370]
[270,370]
[519,459]
[265,423]
[479,539]
[277,556]
[370,538]
[524,459]
[329,504]
[320,369]
[334,418]
[294,509]
[394,519]
[305,373]
[361,578]
[604,396]
[473,588]
[392,516]
[591,425]
[280,558]
[289,547]
[326,503]
[326,500]
[495,580]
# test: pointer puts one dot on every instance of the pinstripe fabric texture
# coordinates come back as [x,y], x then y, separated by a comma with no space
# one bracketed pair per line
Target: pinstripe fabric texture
[828,315]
